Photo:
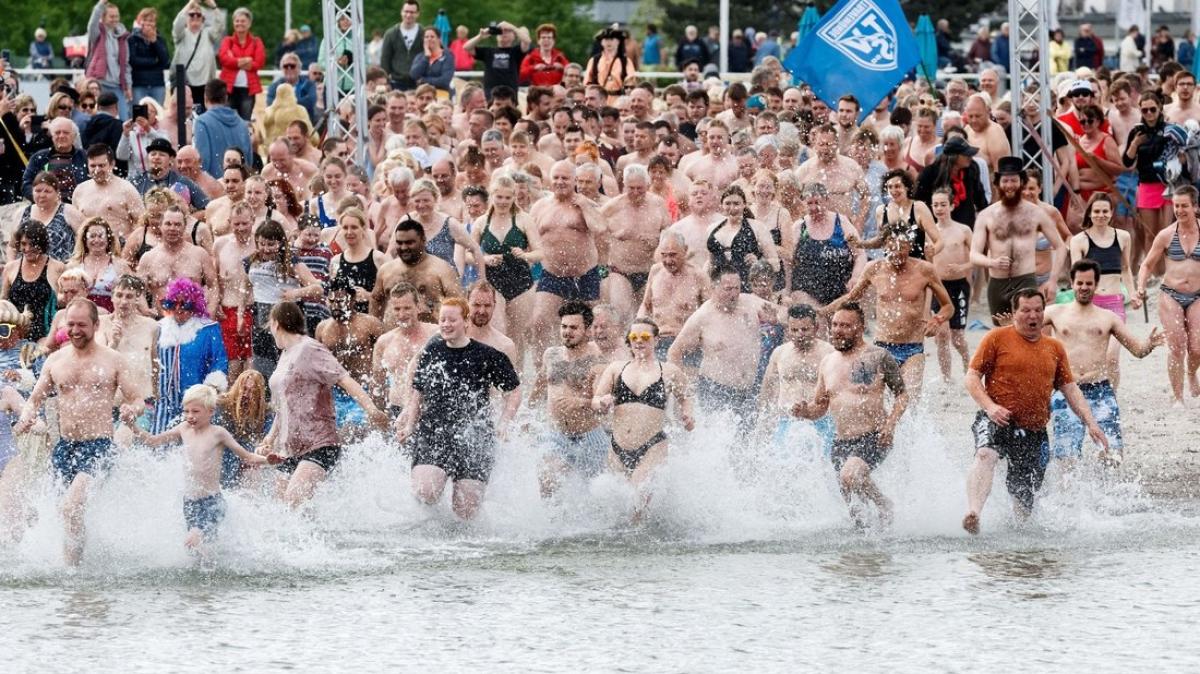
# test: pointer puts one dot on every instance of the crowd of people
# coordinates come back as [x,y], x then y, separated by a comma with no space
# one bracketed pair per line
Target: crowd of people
[614,260]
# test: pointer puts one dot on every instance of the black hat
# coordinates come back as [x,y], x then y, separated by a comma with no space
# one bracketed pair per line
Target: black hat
[161,145]
[958,145]
[1010,166]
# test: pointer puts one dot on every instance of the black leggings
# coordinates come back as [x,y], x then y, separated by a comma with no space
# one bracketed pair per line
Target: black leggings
[242,102]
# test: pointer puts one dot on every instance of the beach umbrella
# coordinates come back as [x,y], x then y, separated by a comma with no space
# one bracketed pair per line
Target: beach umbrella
[927,46]
[442,25]
[808,21]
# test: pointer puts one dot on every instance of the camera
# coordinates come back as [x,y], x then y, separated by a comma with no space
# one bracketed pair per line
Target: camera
[493,29]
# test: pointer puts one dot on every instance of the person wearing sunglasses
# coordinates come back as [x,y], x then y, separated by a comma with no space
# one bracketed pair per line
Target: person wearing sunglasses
[1143,149]
[197,31]
[635,391]
[190,351]
[305,89]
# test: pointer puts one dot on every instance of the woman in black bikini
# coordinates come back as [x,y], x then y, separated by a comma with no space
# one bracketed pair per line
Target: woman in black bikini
[636,391]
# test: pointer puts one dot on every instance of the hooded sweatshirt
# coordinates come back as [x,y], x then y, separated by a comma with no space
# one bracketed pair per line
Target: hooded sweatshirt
[108,50]
[216,130]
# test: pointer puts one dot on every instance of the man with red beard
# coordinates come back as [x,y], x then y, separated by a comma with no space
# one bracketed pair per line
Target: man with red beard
[1005,239]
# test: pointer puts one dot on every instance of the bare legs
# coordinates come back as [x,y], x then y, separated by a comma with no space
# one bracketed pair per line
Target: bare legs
[979,486]
[945,339]
[855,478]
[428,483]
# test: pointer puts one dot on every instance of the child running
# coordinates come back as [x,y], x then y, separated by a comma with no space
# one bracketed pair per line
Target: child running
[203,444]
[953,264]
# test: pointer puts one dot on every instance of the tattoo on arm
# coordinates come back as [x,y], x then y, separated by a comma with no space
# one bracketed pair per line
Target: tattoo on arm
[891,373]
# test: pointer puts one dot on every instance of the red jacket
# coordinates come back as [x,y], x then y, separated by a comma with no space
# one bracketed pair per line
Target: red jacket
[228,57]
[542,78]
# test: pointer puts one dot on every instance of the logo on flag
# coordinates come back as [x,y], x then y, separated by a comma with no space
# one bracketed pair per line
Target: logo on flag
[862,31]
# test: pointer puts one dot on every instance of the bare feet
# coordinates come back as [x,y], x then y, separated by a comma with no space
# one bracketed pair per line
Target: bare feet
[971,523]
[193,539]
[1194,384]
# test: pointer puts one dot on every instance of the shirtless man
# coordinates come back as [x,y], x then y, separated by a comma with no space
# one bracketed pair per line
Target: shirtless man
[175,257]
[297,139]
[675,290]
[644,142]
[449,200]
[985,134]
[694,227]
[132,334]
[281,163]
[850,388]
[395,349]
[1004,241]
[567,227]
[187,163]
[351,337]
[607,333]
[433,277]
[637,220]
[236,317]
[725,329]
[953,265]
[1185,106]
[217,213]
[791,377]
[719,167]
[1085,330]
[840,175]
[86,378]
[481,298]
[392,209]
[106,195]
[576,436]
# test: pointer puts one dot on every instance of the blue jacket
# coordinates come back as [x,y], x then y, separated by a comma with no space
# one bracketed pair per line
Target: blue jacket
[147,61]
[438,74]
[216,130]
[1000,53]
[306,94]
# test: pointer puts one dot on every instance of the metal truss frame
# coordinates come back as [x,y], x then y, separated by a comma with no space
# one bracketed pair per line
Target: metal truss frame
[1029,75]
[332,12]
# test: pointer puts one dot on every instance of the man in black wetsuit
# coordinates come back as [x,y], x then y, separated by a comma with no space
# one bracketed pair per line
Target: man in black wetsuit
[448,416]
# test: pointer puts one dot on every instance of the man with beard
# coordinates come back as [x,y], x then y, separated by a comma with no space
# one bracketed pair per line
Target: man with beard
[351,337]
[850,388]
[900,282]
[297,139]
[161,173]
[847,121]
[840,175]
[1085,330]
[432,276]
[638,219]
[1005,239]
[236,318]
[644,141]
[187,162]
[448,415]
[217,213]
[675,290]
[395,349]
[568,226]
[1012,375]
[392,208]
[282,164]
[608,333]
[108,196]
[1185,106]
[449,202]
[86,377]
[481,298]
[719,166]
[176,257]
[791,377]
[578,440]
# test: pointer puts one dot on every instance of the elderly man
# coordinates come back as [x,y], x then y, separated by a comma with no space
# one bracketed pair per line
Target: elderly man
[160,172]
[283,163]
[306,92]
[187,162]
[985,134]
[62,158]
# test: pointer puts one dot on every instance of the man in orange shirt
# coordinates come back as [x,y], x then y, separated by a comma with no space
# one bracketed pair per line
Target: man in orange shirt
[1013,374]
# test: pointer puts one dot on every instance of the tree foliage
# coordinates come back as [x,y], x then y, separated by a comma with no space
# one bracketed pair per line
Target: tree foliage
[575,29]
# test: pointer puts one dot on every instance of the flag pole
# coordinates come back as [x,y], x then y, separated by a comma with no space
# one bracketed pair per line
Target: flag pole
[724,46]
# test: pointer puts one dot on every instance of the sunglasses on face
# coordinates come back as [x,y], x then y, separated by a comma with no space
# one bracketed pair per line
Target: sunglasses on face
[64,107]
[289,66]
[1149,111]
[85,106]
[195,15]
[7,330]
[640,336]
[185,305]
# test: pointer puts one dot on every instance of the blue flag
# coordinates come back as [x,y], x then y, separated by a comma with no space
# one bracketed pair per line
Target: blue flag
[860,47]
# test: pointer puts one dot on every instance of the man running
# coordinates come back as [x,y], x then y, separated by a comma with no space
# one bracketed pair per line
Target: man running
[236,317]
[432,276]
[850,388]
[351,337]
[953,264]
[636,218]
[86,378]
[1085,330]
[396,348]
[675,290]
[1012,375]
[481,298]
[791,376]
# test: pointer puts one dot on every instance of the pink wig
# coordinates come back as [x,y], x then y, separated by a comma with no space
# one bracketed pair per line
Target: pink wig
[185,290]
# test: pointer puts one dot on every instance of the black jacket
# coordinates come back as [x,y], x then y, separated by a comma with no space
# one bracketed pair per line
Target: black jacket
[932,178]
[104,128]
[147,61]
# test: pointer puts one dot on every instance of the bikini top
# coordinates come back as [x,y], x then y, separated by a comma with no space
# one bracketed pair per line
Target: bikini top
[1108,257]
[1175,249]
[654,395]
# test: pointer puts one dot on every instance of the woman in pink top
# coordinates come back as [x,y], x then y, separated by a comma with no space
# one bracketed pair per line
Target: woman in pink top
[305,428]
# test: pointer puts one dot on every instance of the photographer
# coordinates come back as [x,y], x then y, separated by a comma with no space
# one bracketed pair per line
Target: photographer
[502,63]
[14,151]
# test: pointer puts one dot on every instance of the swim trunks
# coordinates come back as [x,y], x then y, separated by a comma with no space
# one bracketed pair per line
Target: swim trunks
[902,351]
[1026,451]
[637,279]
[713,396]
[237,342]
[204,513]
[326,457]
[584,288]
[464,453]
[72,457]
[788,428]
[691,359]
[1069,430]
[865,447]
[1001,290]
[959,290]
[347,410]
[585,452]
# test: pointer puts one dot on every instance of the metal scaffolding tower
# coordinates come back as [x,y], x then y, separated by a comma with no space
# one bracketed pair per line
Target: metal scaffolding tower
[1029,73]
[335,43]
